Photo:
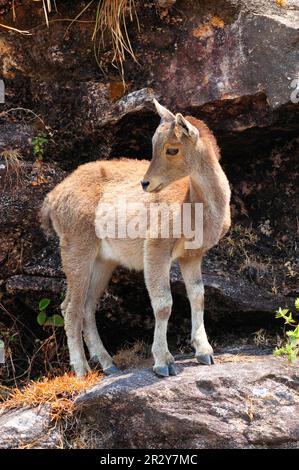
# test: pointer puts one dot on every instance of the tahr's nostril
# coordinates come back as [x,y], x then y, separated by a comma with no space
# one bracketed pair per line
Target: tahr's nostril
[144,184]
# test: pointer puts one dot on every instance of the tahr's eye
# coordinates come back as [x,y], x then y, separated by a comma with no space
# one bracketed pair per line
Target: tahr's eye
[172,152]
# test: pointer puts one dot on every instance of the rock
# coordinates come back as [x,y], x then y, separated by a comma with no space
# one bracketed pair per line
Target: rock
[23,186]
[165,3]
[253,403]
[34,284]
[229,293]
[240,402]
[27,428]
[16,137]
[202,58]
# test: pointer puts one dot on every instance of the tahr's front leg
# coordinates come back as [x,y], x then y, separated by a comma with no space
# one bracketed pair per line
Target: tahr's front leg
[157,263]
[191,272]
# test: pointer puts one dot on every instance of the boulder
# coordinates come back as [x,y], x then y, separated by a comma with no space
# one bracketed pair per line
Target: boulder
[234,63]
[243,401]
[26,428]
[251,402]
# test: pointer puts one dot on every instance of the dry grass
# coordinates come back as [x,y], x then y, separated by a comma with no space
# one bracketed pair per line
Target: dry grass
[137,355]
[58,393]
[237,357]
[110,16]
[13,162]
[239,241]
[262,339]
[251,263]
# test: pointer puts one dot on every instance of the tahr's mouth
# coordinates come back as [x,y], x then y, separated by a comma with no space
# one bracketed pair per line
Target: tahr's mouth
[157,188]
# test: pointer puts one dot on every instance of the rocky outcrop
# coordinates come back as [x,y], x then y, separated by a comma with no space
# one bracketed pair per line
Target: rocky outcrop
[246,404]
[240,402]
[23,185]
[231,63]
[27,427]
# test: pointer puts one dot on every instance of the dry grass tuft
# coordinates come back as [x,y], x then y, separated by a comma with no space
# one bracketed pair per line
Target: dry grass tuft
[12,158]
[262,338]
[13,163]
[111,16]
[59,393]
[137,355]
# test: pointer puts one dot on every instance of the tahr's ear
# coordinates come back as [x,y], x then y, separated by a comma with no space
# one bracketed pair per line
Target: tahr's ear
[186,127]
[163,112]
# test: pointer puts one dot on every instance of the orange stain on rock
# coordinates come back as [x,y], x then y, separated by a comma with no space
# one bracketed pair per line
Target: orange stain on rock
[217,22]
[206,30]
[116,90]
[203,31]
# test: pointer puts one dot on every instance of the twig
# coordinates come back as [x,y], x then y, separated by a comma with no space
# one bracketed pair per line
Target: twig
[24,33]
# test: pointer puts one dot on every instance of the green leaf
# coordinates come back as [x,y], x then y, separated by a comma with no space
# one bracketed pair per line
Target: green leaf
[290,319]
[292,334]
[278,351]
[291,348]
[41,317]
[44,303]
[292,355]
[281,312]
[55,320]
[296,331]
[285,314]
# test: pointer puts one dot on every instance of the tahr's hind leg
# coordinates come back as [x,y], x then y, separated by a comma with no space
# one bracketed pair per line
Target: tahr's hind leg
[65,302]
[101,274]
[77,261]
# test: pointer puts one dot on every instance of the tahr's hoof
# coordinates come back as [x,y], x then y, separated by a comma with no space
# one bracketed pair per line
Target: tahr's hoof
[111,370]
[205,359]
[165,371]
[80,371]
[161,371]
[172,369]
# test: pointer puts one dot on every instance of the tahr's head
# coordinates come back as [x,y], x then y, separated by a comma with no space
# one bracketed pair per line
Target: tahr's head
[176,143]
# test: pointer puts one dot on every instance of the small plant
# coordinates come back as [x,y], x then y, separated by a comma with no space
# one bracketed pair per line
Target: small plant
[43,319]
[291,347]
[38,144]
[13,163]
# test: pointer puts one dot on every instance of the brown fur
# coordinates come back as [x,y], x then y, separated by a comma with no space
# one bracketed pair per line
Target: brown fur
[206,134]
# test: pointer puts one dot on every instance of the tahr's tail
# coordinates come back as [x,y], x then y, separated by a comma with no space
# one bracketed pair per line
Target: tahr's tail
[45,218]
